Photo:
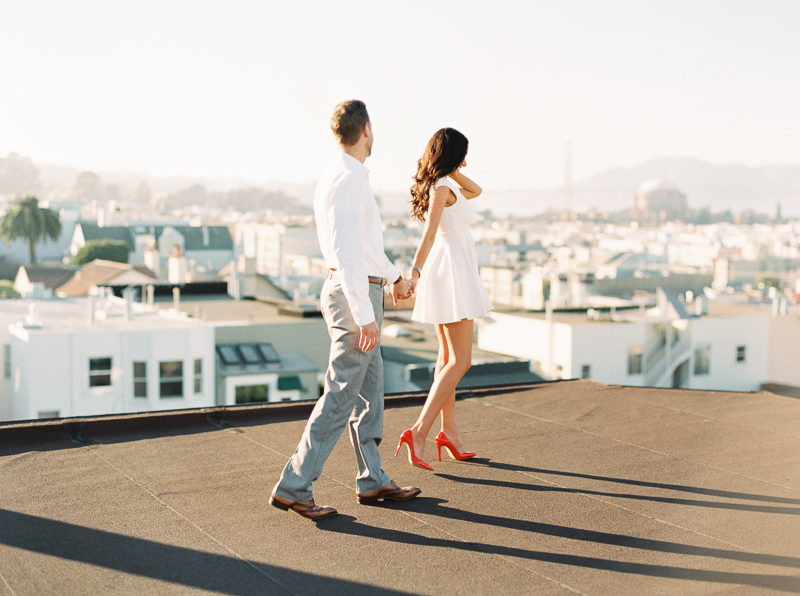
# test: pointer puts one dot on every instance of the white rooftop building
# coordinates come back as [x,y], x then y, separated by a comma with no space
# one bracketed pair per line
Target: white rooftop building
[721,346]
[101,355]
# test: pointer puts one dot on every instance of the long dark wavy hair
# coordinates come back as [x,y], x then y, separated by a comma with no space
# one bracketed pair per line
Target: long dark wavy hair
[445,152]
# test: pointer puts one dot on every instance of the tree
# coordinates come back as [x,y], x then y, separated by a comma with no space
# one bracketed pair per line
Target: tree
[18,175]
[108,250]
[88,187]
[191,196]
[142,194]
[7,289]
[27,221]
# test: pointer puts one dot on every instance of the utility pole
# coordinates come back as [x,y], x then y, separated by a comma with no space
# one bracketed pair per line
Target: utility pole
[568,190]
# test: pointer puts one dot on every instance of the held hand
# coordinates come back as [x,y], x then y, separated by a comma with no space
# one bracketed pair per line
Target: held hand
[370,334]
[402,290]
[395,291]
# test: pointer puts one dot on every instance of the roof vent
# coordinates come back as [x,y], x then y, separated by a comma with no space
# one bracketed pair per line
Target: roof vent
[33,319]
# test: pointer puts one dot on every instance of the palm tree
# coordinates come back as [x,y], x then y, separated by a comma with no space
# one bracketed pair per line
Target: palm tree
[27,221]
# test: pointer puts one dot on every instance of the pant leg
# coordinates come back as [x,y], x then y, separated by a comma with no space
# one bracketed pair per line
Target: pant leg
[347,368]
[366,422]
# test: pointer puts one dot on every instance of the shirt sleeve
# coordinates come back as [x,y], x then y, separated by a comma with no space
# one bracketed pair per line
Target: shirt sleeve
[345,216]
[390,272]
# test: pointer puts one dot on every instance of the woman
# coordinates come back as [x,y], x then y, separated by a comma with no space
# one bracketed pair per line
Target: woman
[450,293]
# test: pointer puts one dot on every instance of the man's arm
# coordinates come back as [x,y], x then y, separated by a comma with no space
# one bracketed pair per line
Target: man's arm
[345,215]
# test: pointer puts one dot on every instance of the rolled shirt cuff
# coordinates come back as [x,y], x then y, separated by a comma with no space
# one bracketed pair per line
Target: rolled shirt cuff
[392,273]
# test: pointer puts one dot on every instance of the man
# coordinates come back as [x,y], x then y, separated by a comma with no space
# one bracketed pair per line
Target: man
[351,238]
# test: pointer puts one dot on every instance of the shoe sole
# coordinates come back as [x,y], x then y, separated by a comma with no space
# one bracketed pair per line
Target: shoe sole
[278,504]
[285,507]
[373,500]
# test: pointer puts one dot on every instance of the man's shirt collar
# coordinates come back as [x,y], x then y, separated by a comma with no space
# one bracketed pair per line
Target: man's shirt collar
[354,165]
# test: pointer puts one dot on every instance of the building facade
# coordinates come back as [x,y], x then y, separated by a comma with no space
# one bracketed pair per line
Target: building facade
[730,348]
[104,355]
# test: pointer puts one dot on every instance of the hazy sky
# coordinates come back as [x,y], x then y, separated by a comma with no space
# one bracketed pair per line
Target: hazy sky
[245,88]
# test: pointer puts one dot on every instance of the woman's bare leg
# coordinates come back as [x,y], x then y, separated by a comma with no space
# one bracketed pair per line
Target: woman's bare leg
[448,421]
[456,346]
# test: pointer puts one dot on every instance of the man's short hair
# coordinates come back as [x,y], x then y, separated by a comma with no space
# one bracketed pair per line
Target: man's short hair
[348,121]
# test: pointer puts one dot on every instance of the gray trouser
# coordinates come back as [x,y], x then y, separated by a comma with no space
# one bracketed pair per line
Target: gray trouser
[353,396]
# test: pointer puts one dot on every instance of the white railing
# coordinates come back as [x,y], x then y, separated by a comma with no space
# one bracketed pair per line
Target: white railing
[660,365]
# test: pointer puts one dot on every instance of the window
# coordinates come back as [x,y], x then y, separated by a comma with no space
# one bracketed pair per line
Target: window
[140,379]
[586,371]
[99,372]
[171,378]
[198,375]
[290,383]
[49,414]
[252,394]
[635,360]
[702,359]
[7,361]
[559,371]
[740,353]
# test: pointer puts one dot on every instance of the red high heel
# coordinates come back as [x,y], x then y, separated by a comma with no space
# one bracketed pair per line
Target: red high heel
[412,457]
[443,441]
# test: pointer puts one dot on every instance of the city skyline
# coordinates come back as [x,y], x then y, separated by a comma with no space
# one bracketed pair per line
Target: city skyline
[245,89]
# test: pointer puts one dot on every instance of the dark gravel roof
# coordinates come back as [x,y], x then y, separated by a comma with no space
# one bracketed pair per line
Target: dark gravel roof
[578,488]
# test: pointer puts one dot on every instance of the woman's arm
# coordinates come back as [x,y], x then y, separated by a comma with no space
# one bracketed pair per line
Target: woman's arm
[469,189]
[438,202]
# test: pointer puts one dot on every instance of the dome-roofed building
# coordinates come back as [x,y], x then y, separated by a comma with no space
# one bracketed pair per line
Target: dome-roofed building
[658,201]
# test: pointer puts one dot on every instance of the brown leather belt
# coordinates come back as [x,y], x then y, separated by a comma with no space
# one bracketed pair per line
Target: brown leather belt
[381,281]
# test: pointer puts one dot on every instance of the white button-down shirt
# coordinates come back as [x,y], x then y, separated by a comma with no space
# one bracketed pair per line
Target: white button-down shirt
[350,232]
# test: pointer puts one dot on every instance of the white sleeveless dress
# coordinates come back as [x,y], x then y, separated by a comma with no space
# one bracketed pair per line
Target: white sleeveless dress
[450,288]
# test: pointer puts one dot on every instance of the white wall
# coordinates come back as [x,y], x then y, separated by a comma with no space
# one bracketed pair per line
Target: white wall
[784,350]
[527,337]
[725,334]
[604,347]
[51,370]
[5,381]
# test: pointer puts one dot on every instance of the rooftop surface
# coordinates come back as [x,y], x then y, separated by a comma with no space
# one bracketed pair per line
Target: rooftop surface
[578,488]
[716,308]
[72,314]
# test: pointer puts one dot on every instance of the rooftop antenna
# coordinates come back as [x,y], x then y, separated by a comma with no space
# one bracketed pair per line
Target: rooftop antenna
[568,178]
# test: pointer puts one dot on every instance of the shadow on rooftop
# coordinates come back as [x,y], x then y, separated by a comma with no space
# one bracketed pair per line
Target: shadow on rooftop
[677,487]
[434,506]
[164,562]
[349,525]
[627,481]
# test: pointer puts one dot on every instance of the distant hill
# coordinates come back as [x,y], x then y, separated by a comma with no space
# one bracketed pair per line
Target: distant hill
[55,177]
[718,186]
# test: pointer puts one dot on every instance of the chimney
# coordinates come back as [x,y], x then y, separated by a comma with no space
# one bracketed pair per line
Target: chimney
[701,306]
[780,306]
[128,293]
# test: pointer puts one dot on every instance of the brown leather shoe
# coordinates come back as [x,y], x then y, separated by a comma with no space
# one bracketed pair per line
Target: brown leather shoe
[305,508]
[391,491]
